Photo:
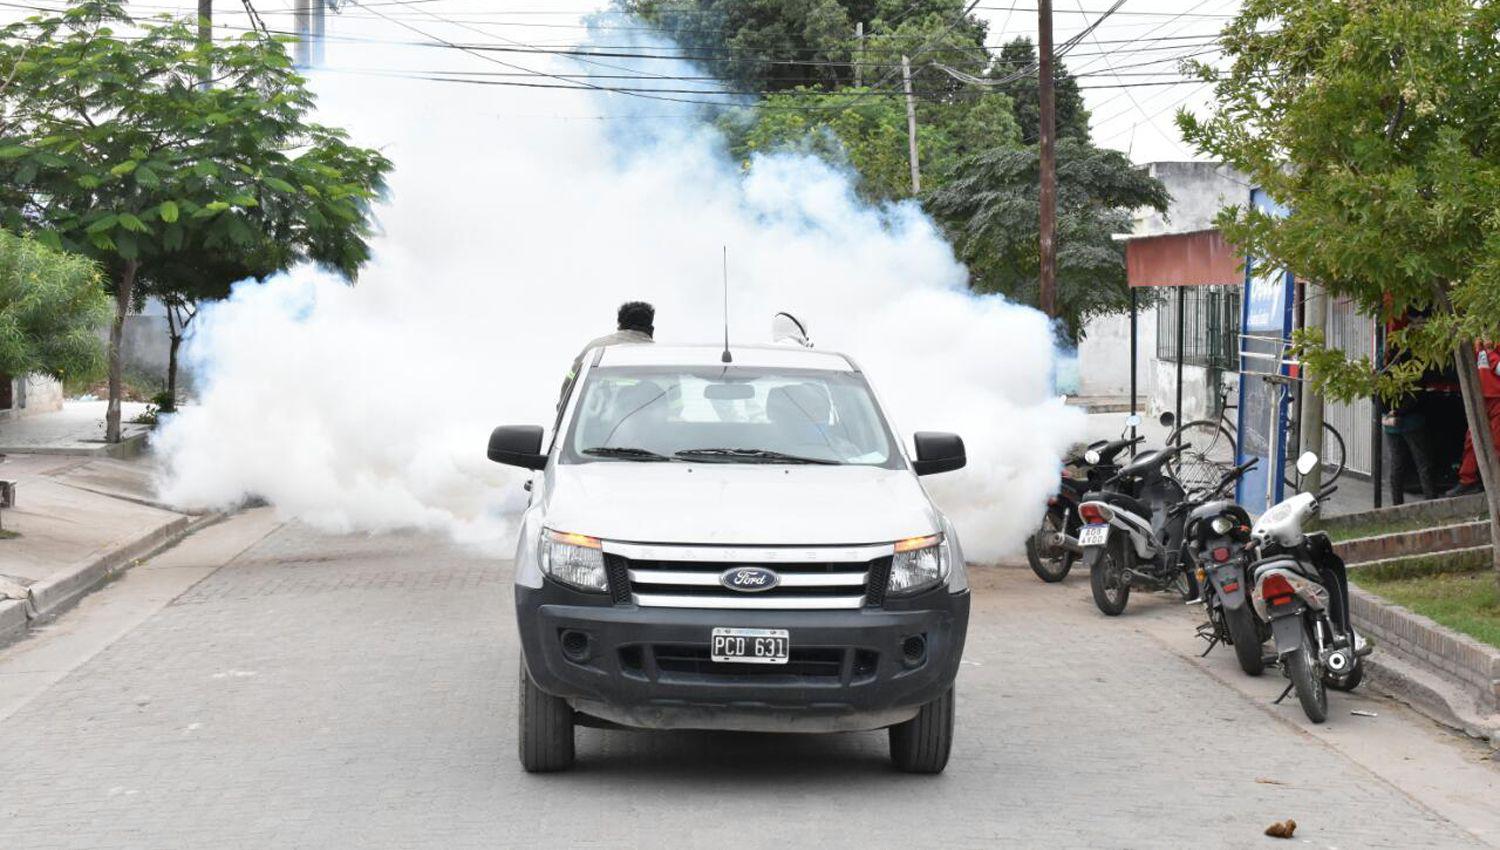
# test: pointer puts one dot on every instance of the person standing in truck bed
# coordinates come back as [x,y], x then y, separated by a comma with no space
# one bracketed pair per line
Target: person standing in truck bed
[636,322]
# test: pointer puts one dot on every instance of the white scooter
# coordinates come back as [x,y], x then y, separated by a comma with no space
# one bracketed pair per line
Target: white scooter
[1302,590]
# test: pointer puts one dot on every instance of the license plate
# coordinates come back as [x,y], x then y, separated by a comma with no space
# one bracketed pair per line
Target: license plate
[750,646]
[1093,535]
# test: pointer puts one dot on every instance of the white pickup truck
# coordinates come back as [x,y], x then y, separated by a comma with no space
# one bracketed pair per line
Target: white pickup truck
[740,546]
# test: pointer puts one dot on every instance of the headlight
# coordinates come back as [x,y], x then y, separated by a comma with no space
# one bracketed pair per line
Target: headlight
[574,559]
[1222,525]
[920,563]
[1091,456]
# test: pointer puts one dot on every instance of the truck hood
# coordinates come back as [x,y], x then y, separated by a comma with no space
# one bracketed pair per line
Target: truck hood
[738,504]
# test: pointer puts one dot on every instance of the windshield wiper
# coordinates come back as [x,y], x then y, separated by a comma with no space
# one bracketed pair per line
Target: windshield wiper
[625,453]
[754,455]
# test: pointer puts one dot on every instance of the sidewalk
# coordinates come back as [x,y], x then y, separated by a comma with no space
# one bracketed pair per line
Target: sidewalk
[80,520]
[77,429]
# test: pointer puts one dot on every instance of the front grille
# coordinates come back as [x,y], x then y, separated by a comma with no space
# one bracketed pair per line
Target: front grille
[804,585]
[691,663]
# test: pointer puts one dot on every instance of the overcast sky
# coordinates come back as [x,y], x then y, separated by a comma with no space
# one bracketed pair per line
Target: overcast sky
[1141,43]
[1139,46]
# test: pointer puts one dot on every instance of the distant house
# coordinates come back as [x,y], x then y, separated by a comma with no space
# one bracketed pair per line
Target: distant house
[32,394]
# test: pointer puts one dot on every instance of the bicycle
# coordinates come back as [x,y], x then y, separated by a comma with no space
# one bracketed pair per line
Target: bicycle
[1212,448]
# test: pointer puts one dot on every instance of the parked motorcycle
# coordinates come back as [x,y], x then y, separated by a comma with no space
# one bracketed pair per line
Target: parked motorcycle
[1218,534]
[1302,590]
[1053,547]
[1132,533]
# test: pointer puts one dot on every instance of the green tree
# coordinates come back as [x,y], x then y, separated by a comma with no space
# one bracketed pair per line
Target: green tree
[1018,56]
[868,133]
[991,209]
[51,307]
[1375,125]
[777,45]
[110,146]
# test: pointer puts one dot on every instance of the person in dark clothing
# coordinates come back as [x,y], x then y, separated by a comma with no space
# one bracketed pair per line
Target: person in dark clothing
[1405,427]
[636,321]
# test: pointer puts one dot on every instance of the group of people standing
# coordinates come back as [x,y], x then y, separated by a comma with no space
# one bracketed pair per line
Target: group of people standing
[1419,446]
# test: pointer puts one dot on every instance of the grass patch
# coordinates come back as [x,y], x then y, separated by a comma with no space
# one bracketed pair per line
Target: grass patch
[1339,533]
[1464,602]
[7,534]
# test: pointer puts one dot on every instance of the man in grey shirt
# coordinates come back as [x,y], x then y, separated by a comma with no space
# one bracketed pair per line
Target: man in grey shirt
[636,320]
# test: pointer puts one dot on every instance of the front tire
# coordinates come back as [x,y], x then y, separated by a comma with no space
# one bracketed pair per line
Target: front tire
[1107,578]
[1050,563]
[545,728]
[923,743]
[1246,639]
[1302,666]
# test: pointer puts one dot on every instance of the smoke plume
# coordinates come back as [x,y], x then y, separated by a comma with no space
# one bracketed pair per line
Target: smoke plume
[518,220]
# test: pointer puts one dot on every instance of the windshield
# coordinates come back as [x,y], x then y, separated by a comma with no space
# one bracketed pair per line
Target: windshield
[728,414]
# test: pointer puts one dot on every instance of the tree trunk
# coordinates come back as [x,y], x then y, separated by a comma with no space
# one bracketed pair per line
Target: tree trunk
[171,405]
[1464,357]
[124,288]
[1484,444]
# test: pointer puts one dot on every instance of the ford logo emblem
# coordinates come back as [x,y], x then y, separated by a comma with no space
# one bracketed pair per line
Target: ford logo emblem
[749,579]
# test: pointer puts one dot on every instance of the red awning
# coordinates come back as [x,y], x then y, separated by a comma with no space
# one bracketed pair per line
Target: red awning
[1200,258]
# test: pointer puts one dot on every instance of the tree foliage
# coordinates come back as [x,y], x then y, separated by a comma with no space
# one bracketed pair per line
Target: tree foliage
[51,308]
[1378,126]
[991,207]
[111,146]
[1025,92]
[776,45]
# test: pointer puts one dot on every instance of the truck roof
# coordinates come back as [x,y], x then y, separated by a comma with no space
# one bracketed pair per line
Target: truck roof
[762,356]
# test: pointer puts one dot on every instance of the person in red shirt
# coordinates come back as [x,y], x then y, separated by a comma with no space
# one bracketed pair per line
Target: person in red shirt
[1487,359]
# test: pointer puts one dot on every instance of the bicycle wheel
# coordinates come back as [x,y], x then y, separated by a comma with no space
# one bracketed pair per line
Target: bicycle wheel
[1332,457]
[1210,454]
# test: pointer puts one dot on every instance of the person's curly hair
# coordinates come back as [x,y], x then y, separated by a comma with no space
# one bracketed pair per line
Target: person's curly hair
[637,316]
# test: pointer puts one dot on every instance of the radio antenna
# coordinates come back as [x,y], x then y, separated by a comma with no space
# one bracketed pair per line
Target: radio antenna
[725,357]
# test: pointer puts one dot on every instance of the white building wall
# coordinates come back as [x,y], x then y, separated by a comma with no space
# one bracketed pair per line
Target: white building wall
[1104,355]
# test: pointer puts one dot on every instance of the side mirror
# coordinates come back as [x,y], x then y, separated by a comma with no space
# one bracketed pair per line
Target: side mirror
[1307,463]
[938,452]
[517,445]
[1168,419]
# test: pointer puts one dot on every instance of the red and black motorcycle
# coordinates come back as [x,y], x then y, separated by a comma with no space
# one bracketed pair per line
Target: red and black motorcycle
[1053,547]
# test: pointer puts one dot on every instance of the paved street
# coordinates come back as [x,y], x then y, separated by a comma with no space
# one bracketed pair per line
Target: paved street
[323,691]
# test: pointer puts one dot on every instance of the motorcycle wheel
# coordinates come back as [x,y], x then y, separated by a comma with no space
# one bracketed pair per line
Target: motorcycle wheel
[1302,666]
[1186,585]
[1349,681]
[1107,578]
[1050,563]
[1245,637]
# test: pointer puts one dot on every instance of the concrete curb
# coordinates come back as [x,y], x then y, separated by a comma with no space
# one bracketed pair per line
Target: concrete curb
[1446,675]
[51,596]
[128,447]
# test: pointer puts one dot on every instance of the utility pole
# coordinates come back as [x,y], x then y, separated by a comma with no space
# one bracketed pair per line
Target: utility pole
[1048,160]
[205,36]
[911,127]
[307,18]
[859,71]
[205,21]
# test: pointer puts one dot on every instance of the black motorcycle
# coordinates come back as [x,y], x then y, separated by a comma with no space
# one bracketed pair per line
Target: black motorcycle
[1132,533]
[1218,534]
[1053,547]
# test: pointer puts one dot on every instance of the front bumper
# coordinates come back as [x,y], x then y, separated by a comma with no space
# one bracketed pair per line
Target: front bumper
[849,670]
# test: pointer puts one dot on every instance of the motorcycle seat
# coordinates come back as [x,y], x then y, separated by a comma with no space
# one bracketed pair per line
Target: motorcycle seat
[1120,500]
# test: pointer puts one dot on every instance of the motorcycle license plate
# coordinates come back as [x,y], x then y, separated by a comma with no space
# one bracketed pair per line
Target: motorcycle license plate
[1093,535]
[749,646]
